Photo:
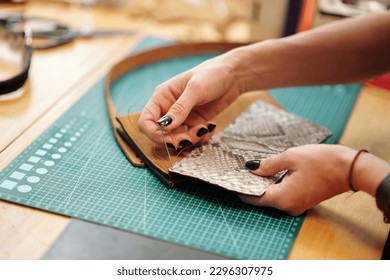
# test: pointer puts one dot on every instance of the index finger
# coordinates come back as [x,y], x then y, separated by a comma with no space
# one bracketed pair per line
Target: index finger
[147,121]
[164,96]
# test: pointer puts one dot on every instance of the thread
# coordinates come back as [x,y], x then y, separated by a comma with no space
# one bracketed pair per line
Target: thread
[156,149]
[166,147]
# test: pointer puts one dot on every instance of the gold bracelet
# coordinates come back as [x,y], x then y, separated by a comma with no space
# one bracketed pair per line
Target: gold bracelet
[351,169]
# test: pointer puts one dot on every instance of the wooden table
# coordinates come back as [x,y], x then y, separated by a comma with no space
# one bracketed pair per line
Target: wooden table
[348,226]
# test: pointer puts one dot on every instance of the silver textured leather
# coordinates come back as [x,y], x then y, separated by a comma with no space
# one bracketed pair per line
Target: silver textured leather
[260,131]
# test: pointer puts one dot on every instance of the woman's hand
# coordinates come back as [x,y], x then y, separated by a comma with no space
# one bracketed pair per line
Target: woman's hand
[315,173]
[186,104]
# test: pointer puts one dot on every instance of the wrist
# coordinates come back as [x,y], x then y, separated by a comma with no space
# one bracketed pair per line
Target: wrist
[252,66]
[368,172]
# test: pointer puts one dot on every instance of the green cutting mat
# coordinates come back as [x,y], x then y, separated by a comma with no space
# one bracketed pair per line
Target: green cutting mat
[75,168]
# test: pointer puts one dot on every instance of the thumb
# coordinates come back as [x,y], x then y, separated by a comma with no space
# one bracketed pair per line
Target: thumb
[268,166]
[178,112]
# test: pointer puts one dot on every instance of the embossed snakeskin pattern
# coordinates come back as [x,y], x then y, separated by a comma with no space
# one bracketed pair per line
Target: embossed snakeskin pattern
[260,131]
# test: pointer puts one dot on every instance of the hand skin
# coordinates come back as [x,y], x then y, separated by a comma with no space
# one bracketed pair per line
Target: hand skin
[346,51]
[315,173]
[216,87]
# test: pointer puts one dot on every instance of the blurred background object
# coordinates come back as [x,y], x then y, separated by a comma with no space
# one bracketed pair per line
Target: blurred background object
[268,18]
[221,20]
[11,1]
[352,7]
[48,33]
[15,58]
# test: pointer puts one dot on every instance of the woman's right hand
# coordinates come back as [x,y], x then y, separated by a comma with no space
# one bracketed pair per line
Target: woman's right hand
[186,104]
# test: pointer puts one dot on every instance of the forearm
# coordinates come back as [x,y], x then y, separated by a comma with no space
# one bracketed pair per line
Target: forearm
[347,51]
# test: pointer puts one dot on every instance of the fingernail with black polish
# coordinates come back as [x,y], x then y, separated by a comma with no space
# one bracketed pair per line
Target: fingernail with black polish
[202,131]
[164,121]
[211,127]
[185,143]
[252,164]
[170,146]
